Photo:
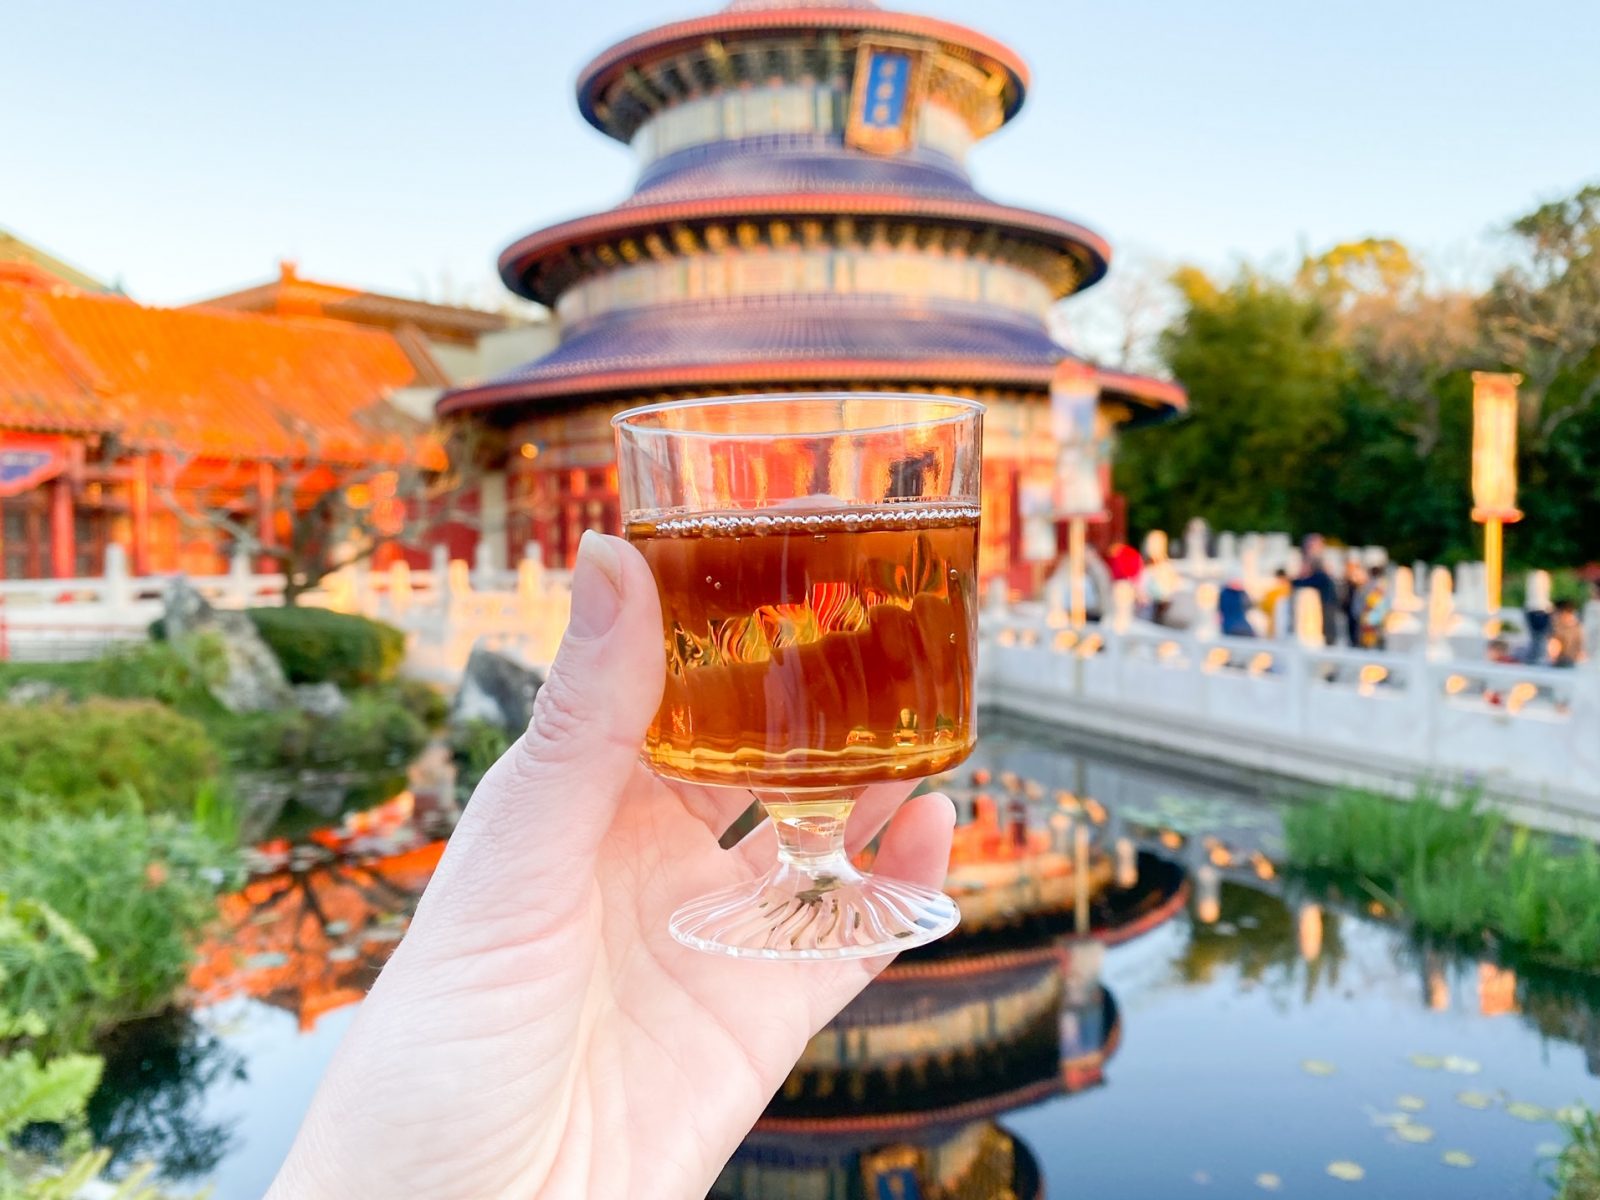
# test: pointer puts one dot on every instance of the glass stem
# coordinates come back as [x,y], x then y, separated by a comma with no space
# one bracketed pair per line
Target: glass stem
[810,829]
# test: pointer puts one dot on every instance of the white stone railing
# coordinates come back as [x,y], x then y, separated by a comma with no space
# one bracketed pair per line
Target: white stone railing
[444,610]
[1323,714]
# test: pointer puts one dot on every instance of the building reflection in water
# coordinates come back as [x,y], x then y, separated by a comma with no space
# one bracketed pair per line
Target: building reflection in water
[901,1095]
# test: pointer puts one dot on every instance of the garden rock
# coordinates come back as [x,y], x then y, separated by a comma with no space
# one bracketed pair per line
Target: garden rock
[35,691]
[320,699]
[497,689]
[251,679]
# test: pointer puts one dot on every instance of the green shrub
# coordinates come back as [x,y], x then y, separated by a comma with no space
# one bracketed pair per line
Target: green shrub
[378,729]
[88,756]
[145,671]
[316,645]
[140,889]
[423,700]
[476,746]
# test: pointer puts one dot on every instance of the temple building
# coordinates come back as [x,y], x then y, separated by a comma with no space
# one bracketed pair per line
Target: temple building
[803,219]
[156,429]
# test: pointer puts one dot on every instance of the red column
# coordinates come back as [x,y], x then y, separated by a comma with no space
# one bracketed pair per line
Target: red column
[141,515]
[63,548]
[266,492]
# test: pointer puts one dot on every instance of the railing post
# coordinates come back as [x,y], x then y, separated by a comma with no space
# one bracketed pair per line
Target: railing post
[239,580]
[118,591]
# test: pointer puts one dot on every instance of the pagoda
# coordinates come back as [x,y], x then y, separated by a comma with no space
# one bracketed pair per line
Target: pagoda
[803,219]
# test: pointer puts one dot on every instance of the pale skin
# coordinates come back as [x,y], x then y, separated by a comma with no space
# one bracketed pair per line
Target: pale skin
[538,1033]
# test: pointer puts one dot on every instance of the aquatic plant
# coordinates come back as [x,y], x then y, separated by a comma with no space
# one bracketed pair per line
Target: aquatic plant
[1577,1170]
[1458,870]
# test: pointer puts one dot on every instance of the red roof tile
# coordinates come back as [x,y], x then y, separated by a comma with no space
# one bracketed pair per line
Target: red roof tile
[202,381]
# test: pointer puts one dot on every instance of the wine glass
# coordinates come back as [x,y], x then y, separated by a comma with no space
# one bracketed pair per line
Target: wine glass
[816,557]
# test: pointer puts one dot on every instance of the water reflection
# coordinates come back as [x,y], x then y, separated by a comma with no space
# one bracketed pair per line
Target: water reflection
[151,1102]
[1166,1053]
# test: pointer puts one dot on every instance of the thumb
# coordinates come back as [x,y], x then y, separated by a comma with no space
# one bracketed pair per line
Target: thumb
[538,815]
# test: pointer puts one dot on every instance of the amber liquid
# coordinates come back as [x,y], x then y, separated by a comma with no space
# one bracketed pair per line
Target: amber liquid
[815,648]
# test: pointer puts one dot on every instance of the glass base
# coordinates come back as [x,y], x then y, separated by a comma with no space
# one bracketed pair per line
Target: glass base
[826,910]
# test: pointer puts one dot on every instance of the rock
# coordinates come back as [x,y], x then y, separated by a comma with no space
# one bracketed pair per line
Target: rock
[35,691]
[249,678]
[320,699]
[496,689]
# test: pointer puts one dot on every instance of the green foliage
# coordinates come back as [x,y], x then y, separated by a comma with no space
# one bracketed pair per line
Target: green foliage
[476,746]
[316,645]
[141,889]
[1264,371]
[87,756]
[1577,1174]
[378,729]
[1460,871]
[1339,400]
[424,701]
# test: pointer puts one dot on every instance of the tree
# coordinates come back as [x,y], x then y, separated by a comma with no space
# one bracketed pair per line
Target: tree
[1263,368]
[314,518]
[1543,312]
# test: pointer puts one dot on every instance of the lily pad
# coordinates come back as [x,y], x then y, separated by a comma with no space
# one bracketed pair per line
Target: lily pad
[1315,1066]
[1415,1134]
[1523,1111]
[1461,1066]
[1571,1114]
[1348,1171]
[1477,1100]
[1548,1150]
[1410,1103]
[1428,1062]
[1390,1120]
[1268,1182]
[1457,1158]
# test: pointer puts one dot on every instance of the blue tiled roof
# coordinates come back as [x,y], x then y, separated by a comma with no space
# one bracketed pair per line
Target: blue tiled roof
[784,163]
[789,329]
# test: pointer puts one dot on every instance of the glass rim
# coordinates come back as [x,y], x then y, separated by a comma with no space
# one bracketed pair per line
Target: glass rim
[628,419]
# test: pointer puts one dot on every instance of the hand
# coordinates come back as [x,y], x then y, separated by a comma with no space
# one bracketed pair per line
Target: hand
[539,1033]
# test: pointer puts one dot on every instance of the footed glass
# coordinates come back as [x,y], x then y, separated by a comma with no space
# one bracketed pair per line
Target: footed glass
[816,557]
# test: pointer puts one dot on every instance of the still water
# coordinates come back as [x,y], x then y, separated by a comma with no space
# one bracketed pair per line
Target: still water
[1268,1044]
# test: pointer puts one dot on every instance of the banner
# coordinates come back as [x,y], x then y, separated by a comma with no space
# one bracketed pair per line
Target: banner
[1494,446]
[26,462]
[1074,403]
[886,94]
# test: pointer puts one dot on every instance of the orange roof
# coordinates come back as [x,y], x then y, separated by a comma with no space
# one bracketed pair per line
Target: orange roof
[212,383]
[292,295]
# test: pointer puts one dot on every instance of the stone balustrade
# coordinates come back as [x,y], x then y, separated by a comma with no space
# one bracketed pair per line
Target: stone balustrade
[1293,707]
[444,609]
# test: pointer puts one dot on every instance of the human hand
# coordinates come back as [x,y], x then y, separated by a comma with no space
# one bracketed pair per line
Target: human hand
[539,1033]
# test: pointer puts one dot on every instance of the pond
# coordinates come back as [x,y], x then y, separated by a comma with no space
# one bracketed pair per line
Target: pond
[1223,1034]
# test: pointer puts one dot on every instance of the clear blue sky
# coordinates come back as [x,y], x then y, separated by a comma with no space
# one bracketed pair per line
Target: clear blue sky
[185,146]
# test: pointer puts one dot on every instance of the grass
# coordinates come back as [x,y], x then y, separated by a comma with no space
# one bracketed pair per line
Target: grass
[1459,871]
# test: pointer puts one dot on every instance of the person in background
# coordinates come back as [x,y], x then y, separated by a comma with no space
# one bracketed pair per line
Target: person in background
[1536,610]
[1374,609]
[1275,595]
[1314,575]
[1233,607]
[1352,598]
[1566,635]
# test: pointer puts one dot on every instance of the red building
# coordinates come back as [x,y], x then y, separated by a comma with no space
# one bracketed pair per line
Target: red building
[122,423]
[803,219]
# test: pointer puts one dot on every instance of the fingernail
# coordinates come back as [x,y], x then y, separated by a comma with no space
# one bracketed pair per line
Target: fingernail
[596,586]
